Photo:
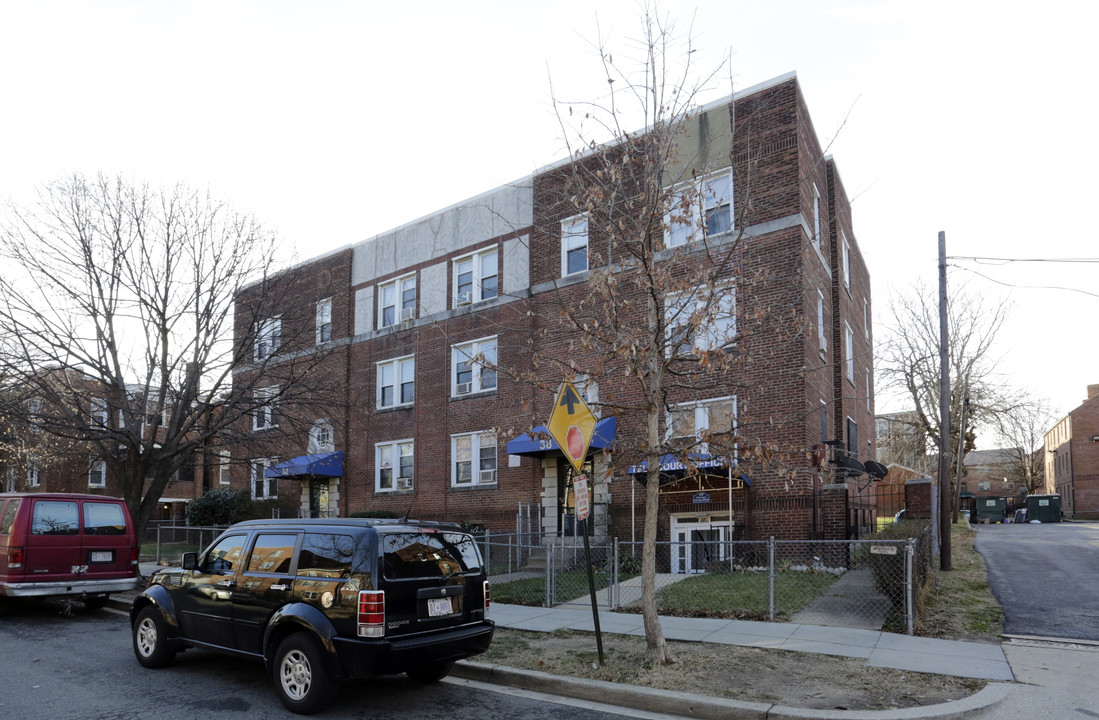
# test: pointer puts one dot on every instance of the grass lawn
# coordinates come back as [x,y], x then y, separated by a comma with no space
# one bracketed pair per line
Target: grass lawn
[963,607]
[742,594]
[570,585]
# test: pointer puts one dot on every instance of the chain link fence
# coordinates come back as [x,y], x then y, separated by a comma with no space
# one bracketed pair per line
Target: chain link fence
[858,583]
[167,543]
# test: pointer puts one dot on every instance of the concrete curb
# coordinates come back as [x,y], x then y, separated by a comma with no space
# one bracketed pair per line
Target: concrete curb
[672,702]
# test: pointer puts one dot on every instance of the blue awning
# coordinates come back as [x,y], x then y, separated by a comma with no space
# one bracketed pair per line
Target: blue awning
[537,442]
[322,465]
[672,467]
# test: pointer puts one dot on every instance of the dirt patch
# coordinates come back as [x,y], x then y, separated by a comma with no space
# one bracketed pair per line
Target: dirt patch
[962,607]
[769,676]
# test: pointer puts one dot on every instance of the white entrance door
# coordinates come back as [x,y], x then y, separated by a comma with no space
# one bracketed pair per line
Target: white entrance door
[699,541]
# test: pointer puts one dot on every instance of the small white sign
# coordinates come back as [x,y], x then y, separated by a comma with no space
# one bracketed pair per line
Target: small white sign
[883,549]
[580,492]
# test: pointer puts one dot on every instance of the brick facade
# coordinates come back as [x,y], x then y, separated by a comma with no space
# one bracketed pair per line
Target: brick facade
[1072,459]
[787,381]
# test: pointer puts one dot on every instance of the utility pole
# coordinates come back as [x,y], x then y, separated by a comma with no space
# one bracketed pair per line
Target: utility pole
[961,452]
[944,415]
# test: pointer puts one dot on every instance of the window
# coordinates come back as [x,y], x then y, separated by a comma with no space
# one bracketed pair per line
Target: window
[34,413]
[321,438]
[816,217]
[225,556]
[705,206]
[326,555]
[55,517]
[473,366]
[264,488]
[324,321]
[868,390]
[846,262]
[98,413]
[821,335]
[224,466]
[265,414]
[474,459]
[268,338]
[701,323]
[104,519]
[97,473]
[33,470]
[394,465]
[396,382]
[866,319]
[823,421]
[272,553]
[849,350]
[476,278]
[852,437]
[698,420]
[397,301]
[9,479]
[984,485]
[574,245]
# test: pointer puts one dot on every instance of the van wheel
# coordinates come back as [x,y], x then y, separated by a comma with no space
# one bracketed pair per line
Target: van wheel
[96,603]
[151,639]
[430,673]
[301,677]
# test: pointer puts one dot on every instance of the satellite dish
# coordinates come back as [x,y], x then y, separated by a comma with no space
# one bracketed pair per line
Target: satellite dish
[848,465]
[875,469]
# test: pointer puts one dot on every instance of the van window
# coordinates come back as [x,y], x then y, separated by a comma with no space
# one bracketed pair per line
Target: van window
[272,553]
[326,555]
[428,555]
[55,517]
[104,519]
[9,517]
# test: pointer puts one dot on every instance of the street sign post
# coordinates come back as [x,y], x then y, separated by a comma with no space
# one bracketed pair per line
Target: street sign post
[583,509]
[572,425]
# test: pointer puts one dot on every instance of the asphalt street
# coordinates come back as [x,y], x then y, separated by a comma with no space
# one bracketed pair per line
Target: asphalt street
[1046,577]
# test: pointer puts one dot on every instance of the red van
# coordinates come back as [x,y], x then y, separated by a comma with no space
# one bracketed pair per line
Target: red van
[66,545]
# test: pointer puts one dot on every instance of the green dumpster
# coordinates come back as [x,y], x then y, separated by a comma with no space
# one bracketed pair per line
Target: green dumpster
[991,509]
[1043,508]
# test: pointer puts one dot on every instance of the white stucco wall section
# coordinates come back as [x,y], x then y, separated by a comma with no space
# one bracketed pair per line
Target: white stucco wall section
[495,213]
[516,265]
[433,289]
[364,310]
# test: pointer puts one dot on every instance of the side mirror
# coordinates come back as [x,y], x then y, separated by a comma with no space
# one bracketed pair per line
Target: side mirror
[190,561]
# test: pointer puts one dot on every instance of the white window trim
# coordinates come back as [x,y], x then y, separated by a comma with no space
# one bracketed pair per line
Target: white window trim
[846,262]
[98,414]
[398,285]
[702,419]
[816,217]
[224,464]
[866,319]
[849,351]
[99,465]
[821,329]
[269,330]
[396,364]
[34,473]
[566,237]
[703,337]
[324,317]
[469,350]
[268,411]
[868,395]
[477,258]
[699,206]
[393,446]
[315,444]
[254,464]
[475,459]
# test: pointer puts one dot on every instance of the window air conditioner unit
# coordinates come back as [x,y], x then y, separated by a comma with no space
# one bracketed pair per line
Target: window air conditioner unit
[465,298]
[463,388]
[488,476]
[404,483]
[408,314]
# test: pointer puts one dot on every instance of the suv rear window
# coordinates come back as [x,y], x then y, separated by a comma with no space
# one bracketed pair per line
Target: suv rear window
[104,519]
[54,517]
[408,555]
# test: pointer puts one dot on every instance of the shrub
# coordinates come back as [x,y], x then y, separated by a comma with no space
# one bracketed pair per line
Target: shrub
[220,506]
[373,514]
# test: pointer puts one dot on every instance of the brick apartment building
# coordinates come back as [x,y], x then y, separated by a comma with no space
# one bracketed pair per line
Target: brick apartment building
[435,334]
[1072,459]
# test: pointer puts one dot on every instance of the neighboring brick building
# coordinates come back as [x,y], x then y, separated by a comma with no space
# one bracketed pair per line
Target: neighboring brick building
[420,317]
[993,474]
[1072,459]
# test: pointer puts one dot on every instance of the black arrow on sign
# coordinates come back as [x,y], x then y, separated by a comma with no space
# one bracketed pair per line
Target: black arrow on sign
[570,398]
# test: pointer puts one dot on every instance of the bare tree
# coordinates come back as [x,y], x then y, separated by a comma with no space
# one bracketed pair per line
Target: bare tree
[117,313]
[909,362]
[1022,431]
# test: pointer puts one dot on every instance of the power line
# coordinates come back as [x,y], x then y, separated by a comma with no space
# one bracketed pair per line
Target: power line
[1025,287]
[1022,260]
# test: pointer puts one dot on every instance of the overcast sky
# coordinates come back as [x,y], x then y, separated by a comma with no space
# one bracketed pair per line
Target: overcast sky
[336,121]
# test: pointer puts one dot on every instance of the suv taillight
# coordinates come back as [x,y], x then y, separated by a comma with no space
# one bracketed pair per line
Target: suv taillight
[372,613]
[15,557]
[488,599]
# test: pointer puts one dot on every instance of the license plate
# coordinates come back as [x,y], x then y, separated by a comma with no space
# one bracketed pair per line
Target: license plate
[439,606]
[102,556]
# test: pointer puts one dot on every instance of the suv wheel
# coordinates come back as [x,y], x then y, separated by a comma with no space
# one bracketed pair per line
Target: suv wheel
[151,640]
[301,677]
[430,673]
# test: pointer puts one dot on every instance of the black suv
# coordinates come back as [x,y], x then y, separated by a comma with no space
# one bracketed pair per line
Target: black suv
[320,600]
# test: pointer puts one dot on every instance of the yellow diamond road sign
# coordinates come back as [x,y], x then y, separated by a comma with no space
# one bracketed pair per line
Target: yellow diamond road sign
[572,425]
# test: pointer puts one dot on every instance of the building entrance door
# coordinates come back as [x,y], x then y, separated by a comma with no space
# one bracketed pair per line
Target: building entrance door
[699,542]
[566,500]
[318,498]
